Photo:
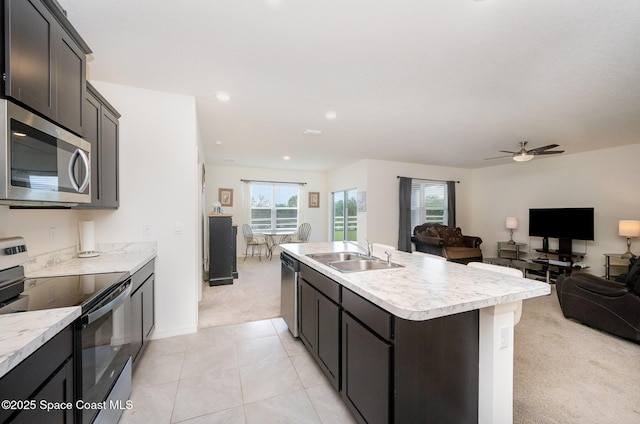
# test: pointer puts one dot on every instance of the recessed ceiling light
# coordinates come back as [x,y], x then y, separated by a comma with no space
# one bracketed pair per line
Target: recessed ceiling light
[331,115]
[286,157]
[222,96]
[218,142]
[312,132]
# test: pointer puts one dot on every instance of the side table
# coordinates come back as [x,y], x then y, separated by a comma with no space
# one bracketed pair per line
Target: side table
[508,250]
[618,267]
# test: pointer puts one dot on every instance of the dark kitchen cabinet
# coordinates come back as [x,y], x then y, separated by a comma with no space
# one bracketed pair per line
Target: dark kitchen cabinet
[366,372]
[320,321]
[46,375]
[222,250]
[45,61]
[142,309]
[102,131]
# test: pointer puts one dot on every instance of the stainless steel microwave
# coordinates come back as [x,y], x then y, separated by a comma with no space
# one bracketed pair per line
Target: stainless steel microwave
[42,164]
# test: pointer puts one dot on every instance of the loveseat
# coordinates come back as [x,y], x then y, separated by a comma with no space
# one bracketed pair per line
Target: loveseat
[448,242]
[610,306]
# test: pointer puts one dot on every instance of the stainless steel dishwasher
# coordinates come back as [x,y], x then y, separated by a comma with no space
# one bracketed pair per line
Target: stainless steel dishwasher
[289,292]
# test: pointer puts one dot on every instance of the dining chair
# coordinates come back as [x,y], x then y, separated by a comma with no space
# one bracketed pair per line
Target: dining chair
[252,241]
[303,234]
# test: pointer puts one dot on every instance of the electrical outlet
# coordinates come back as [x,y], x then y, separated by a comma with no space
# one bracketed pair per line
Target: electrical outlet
[177,229]
[52,234]
[146,229]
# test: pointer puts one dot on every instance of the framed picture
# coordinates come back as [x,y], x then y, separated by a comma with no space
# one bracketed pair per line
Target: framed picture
[225,196]
[314,199]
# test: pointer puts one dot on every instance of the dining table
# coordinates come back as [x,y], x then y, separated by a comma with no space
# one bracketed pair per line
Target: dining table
[275,238]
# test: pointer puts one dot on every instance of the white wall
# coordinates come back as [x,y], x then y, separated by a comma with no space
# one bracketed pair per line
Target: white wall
[607,180]
[44,230]
[379,224]
[159,185]
[230,176]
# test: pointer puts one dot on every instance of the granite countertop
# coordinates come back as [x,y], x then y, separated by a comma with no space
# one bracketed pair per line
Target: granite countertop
[23,333]
[425,288]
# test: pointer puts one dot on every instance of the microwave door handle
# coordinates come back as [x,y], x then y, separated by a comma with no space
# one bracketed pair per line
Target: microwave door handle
[91,317]
[72,163]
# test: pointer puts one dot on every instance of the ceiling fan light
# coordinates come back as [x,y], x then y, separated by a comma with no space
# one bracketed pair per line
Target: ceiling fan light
[524,157]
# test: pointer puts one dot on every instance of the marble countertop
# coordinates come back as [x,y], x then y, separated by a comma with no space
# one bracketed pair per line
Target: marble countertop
[23,333]
[424,288]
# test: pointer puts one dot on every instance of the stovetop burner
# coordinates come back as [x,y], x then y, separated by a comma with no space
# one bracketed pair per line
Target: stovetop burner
[20,294]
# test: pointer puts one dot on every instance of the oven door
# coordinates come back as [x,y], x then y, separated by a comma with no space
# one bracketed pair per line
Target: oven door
[105,336]
[44,163]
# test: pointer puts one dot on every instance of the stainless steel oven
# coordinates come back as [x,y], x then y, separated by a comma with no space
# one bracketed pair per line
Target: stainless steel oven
[105,356]
[42,163]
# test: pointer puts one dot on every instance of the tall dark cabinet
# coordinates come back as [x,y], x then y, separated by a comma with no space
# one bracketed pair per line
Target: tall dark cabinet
[222,250]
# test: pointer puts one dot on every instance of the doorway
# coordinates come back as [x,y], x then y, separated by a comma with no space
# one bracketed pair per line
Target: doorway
[345,215]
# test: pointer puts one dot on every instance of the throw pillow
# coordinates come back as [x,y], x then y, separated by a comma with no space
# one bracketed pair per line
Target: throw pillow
[452,237]
[432,232]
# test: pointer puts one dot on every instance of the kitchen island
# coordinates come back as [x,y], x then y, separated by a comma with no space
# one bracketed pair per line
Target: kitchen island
[430,341]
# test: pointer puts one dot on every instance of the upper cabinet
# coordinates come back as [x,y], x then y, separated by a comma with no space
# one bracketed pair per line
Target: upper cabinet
[45,61]
[101,130]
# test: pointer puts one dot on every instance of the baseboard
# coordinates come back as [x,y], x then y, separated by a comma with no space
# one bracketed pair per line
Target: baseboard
[171,332]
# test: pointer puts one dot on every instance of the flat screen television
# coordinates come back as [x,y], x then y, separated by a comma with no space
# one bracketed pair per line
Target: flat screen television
[562,223]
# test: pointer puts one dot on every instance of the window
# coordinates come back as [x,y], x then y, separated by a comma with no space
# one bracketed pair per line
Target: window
[274,206]
[428,202]
[345,215]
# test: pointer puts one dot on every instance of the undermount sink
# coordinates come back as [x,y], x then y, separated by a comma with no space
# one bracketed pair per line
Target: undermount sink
[352,262]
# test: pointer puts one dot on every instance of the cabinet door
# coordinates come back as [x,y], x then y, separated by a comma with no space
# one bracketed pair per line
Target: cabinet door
[148,308]
[109,149]
[58,390]
[91,130]
[366,372]
[70,82]
[29,56]
[136,324]
[328,330]
[308,315]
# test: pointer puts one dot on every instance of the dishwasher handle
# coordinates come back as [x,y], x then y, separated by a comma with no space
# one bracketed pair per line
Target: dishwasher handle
[290,262]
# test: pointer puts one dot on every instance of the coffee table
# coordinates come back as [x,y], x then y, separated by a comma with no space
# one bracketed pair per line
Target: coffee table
[531,267]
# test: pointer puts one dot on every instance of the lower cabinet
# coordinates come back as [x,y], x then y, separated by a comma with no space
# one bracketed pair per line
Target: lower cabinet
[46,375]
[142,309]
[388,369]
[320,330]
[366,372]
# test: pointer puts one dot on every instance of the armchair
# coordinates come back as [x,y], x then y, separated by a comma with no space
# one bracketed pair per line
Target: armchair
[606,305]
[447,242]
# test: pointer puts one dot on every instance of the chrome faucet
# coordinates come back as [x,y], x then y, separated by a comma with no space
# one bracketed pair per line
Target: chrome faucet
[388,253]
[368,249]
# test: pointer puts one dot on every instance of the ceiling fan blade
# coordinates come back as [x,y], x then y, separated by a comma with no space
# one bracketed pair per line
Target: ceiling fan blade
[550,152]
[506,151]
[543,148]
[499,157]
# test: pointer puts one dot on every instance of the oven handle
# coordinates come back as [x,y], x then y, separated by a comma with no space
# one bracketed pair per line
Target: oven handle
[93,316]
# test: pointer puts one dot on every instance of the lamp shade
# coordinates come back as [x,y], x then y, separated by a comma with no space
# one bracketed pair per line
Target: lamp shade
[511,222]
[628,228]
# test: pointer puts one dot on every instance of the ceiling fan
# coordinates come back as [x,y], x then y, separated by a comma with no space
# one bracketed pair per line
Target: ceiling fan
[524,155]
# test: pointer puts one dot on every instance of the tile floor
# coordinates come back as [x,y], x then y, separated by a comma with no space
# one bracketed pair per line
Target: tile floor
[248,373]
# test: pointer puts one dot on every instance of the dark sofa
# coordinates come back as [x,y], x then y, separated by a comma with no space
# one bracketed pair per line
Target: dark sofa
[448,242]
[611,306]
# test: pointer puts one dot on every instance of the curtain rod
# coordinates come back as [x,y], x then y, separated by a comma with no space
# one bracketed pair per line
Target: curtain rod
[429,179]
[272,182]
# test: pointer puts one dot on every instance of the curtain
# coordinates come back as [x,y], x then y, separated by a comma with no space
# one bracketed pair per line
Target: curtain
[404,227]
[451,203]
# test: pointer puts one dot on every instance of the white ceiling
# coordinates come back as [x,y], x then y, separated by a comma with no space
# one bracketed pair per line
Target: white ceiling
[441,82]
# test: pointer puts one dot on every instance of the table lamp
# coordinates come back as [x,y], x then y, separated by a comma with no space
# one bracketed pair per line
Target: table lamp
[629,229]
[512,224]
